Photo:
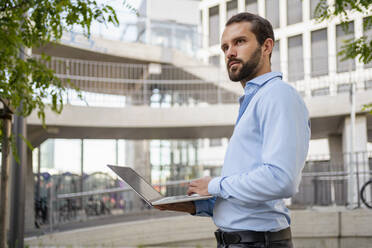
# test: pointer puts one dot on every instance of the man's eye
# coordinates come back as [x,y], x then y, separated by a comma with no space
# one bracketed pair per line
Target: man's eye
[239,42]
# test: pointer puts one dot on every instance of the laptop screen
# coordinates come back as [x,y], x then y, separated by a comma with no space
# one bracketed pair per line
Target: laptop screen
[136,182]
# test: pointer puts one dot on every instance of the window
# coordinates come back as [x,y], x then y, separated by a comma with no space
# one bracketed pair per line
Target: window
[214,60]
[251,6]
[272,12]
[320,92]
[214,25]
[343,33]
[344,88]
[294,11]
[368,84]
[215,142]
[275,57]
[295,58]
[201,19]
[367,23]
[231,9]
[319,53]
[313,4]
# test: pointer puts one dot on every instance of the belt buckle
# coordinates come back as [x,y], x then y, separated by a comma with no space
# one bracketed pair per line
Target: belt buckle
[230,238]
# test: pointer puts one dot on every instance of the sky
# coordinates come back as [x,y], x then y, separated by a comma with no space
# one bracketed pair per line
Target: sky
[125,17]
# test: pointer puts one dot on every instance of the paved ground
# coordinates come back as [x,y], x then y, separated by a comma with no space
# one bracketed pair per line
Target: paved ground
[103,220]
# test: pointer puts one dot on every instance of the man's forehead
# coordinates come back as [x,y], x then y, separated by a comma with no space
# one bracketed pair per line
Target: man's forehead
[237,29]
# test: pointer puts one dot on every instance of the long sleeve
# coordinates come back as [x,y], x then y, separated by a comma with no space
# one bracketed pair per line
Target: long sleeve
[205,207]
[283,123]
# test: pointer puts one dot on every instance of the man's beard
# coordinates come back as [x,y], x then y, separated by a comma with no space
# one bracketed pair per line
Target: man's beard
[248,70]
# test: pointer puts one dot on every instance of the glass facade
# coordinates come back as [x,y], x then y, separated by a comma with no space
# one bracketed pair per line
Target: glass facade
[272,12]
[214,26]
[294,11]
[214,60]
[231,9]
[313,4]
[344,33]
[275,57]
[367,23]
[251,6]
[295,58]
[182,37]
[319,53]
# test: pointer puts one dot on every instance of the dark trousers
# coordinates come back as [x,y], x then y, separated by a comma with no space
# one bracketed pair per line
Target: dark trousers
[275,244]
[281,239]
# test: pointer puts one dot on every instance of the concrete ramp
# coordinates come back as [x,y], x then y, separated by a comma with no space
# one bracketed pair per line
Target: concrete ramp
[326,228]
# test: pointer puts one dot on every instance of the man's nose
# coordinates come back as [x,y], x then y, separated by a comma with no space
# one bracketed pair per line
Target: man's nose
[231,53]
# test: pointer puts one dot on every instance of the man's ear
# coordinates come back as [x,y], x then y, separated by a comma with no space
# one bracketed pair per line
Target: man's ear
[268,46]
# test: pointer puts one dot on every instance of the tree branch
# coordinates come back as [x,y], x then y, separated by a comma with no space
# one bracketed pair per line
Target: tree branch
[14,7]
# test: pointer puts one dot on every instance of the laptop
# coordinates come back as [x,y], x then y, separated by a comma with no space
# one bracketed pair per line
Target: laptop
[147,192]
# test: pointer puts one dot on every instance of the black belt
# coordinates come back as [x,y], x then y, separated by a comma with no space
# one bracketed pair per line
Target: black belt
[227,238]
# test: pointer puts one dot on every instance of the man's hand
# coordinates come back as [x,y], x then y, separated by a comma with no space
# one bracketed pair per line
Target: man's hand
[188,207]
[199,186]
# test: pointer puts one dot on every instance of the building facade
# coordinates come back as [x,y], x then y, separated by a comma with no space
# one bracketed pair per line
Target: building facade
[305,49]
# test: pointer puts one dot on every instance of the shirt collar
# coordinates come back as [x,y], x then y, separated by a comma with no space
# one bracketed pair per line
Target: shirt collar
[262,79]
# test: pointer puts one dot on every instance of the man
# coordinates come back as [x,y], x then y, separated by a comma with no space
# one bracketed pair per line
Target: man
[266,152]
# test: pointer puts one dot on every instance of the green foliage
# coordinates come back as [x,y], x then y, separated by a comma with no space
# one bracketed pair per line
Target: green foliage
[34,23]
[360,48]
[368,107]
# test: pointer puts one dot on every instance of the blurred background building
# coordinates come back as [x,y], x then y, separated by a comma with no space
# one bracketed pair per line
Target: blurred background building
[156,97]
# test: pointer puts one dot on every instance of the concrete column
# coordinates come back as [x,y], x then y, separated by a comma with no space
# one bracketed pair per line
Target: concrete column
[138,157]
[241,6]
[30,195]
[222,12]
[332,58]
[282,13]
[355,155]
[338,187]
[261,8]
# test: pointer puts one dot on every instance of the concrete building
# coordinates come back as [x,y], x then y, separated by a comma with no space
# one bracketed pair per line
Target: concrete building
[306,51]
[178,101]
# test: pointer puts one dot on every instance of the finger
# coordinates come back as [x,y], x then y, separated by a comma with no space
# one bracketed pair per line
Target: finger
[195,182]
[191,191]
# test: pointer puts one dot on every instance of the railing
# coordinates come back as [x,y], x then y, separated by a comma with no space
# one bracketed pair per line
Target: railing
[119,84]
[324,183]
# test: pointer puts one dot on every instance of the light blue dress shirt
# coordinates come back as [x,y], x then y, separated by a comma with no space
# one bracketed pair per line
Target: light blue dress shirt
[263,161]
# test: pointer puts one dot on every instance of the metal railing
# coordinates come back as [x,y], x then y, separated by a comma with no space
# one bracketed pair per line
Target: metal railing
[324,183]
[119,84]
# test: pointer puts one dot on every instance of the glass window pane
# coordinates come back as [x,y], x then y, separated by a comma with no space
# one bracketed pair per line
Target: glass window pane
[313,4]
[214,60]
[251,6]
[294,11]
[47,154]
[97,154]
[368,34]
[272,12]
[275,57]
[231,9]
[67,155]
[320,92]
[214,26]
[319,53]
[343,33]
[295,58]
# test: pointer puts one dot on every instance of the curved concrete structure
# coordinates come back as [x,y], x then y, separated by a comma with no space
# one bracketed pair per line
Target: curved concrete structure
[212,121]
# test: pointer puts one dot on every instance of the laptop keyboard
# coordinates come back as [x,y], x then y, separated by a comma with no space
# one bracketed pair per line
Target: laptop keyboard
[177,197]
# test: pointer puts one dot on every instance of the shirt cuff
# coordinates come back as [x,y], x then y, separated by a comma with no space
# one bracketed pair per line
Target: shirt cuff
[214,186]
[203,208]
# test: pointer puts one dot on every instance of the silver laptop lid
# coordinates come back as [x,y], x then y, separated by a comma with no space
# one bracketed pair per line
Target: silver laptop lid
[137,183]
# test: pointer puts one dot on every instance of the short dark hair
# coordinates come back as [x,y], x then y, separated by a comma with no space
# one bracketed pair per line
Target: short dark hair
[261,27]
